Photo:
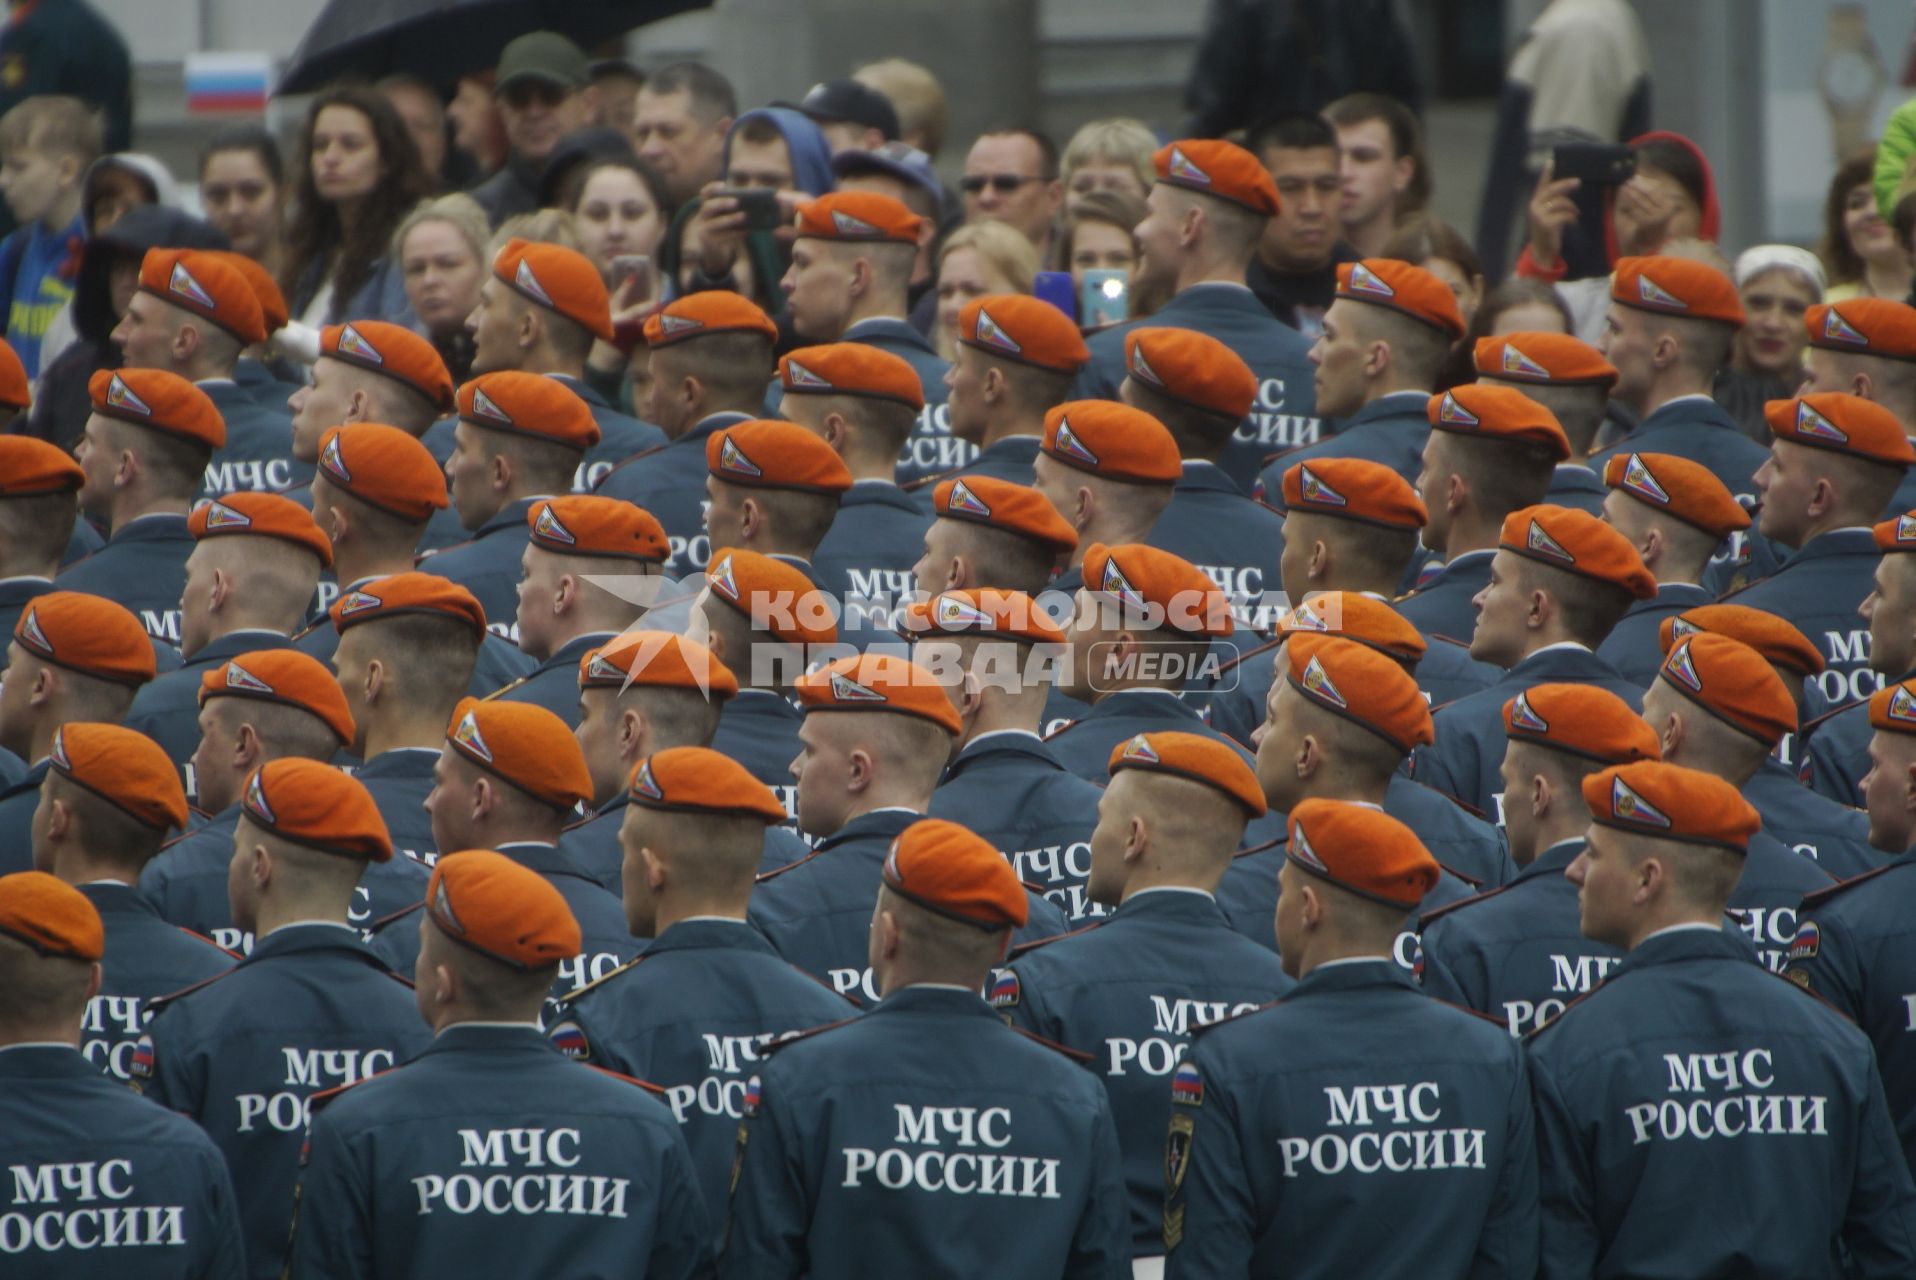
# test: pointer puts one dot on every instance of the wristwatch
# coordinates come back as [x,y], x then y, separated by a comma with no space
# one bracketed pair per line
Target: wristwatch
[1850,78]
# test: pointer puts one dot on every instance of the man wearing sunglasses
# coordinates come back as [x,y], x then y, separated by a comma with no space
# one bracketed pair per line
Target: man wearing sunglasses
[544,92]
[1012,175]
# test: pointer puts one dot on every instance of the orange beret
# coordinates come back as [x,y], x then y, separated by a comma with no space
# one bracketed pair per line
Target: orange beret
[261,515]
[658,660]
[86,633]
[1670,802]
[395,351]
[285,676]
[384,467]
[878,682]
[1864,326]
[123,767]
[1893,707]
[1354,489]
[700,780]
[1687,490]
[523,744]
[1582,720]
[1015,508]
[1112,440]
[1355,616]
[1556,359]
[1490,412]
[273,310]
[582,524]
[1193,756]
[408,593]
[1363,850]
[858,216]
[851,369]
[506,912]
[1677,287]
[1213,167]
[558,279]
[985,612]
[317,806]
[1172,592]
[1776,639]
[200,282]
[159,401]
[951,872]
[51,916]
[699,315]
[767,453]
[528,404]
[1898,534]
[776,597]
[1404,288]
[1578,543]
[1733,682]
[1362,685]
[1191,368]
[1013,326]
[30,467]
[15,391]
[1841,423]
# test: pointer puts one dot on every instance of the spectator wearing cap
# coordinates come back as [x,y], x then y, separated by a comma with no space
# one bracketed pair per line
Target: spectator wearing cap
[1676,514]
[249,582]
[1665,849]
[72,657]
[309,990]
[772,487]
[691,832]
[406,649]
[192,315]
[1778,284]
[143,453]
[520,438]
[1143,621]
[641,693]
[369,371]
[109,803]
[543,89]
[55,1098]
[853,116]
[1837,754]
[261,707]
[1559,582]
[685,111]
[1499,953]
[1174,813]
[1211,203]
[1867,347]
[1246,1185]
[763,619]
[850,281]
[1014,362]
[1386,338]
[39,521]
[563,612]
[1851,945]
[877,733]
[509,777]
[1003,781]
[903,172]
[709,356]
[377,493]
[540,310]
[947,906]
[1200,390]
[1490,451]
[1568,377]
[992,533]
[492,940]
[863,402]
[1670,327]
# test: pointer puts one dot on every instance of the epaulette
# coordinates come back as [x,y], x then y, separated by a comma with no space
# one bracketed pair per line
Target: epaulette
[1438,635]
[1269,458]
[1428,918]
[1026,948]
[324,1097]
[646,1085]
[200,937]
[570,996]
[310,628]
[1062,729]
[1833,712]
[396,916]
[1078,1056]
[913,486]
[1266,847]
[1248,654]
[505,688]
[1824,895]
[1030,887]
[1479,1013]
[776,1045]
[157,1003]
[424,556]
[577,822]
[776,872]
[621,465]
[1200,1028]
[1534,1032]
[846,996]
[1472,881]
[1738,588]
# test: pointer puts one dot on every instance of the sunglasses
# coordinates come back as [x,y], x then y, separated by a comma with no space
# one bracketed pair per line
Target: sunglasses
[1003,183]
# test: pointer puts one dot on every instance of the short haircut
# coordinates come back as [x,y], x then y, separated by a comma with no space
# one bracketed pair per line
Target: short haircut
[1418,350]
[93,700]
[381,527]
[889,420]
[800,518]
[55,123]
[432,657]
[570,340]
[1503,475]
[1004,560]
[1120,140]
[35,988]
[175,464]
[1293,131]
[915,95]
[548,465]
[271,574]
[758,130]
[1033,388]
[717,853]
[733,367]
[1406,138]
[1369,551]
[1047,149]
[1197,431]
[285,733]
[1706,344]
[1865,487]
[678,717]
[248,137]
[106,831]
[941,945]
[713,97]
[400,404]
[1579,408]
[38,528]
[1234,228]
[1369,754]
[1589,608]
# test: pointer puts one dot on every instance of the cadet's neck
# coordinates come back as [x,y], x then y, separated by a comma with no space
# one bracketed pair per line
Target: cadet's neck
[277,909]
[1568,819]
[353,562]
[394,728]
[49,1027]
[675,904]
[228,621]
[1186,871]
[1211,268]
[879,304]
[18,562]
[1671,383]
[1733,766]
[129,505]
[1395,381]
[1549,635]
[878,464]
[1113,528]
[1835,520]
[491,833]
[1666,912]
[544,359]
[1001,709]
[77,866]
[897,795]
[1471,530]
[1005,424]
[768,541]
[1320,949]
[1336,780]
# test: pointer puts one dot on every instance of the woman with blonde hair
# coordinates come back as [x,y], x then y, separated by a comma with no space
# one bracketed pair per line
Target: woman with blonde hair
[441,251]
[978,259]
[1109,155]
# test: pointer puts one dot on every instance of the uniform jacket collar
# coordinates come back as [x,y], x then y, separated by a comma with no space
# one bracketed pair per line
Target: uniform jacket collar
[47,1062]
[942,1000]
[1684,412]
[1007,747]
[1382,973]
[310,939]
[878,493]
[1216,297]
[489,1037]
[1551,862]
[232,646]
[881,824]
[1395,407]
[117,900]
[401,762]
[1009,449]
[546,859]
[1156,704]
[1837,542]
[1577,663]
[1206,477]
[1686,944]
[884,331]
[583,390]
[1173,906]
[710,935]
[161,526]
[512,515]
[29,781]
[569,653]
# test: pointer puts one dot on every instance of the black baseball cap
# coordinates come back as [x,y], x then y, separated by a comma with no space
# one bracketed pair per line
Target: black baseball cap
[899,160]
[848,102]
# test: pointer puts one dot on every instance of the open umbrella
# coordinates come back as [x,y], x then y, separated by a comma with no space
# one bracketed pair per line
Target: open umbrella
[441,40]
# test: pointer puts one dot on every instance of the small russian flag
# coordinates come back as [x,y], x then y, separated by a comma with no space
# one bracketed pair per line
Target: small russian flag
[1187,1086]
[568,1039]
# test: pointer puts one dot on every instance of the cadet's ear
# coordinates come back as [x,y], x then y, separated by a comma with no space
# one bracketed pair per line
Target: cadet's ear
[862,277]
[631,733]
[501,471]
[1310,755]
[654,869]
[1313,910]
[96,971]
[957,574]
[837,430]
[1084,506]
[1650,550]
[359,407]
[567,595]
[484,799]
[186,342]
[1822,497]
[375,682]
[42,690]
[1320,562]
[1862,384]
[1541,609]
[221,592]
[1137,838]
[1456,492]
[1377,358]
[859,764]
[1665,351]
[992,385]
[59,815]
[248,750]
[1541,795]
[971,695]
[751,518]
[1909,787]
[530,329]
[1672,734]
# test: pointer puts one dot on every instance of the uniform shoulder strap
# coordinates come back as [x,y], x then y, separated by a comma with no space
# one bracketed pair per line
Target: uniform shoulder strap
[643,453]
[311,627]
[809,976]
[396,916]
[1204,1027]
[596,983]
[1824,895]
[1472,881]
[1833,712]
[1266,847]
[1427,918]
[1248,654]
[1026,948]
[505,689]
[646,1085]
[200,937]
[1078,1056]
[159,1002]
[776,872]
[777,1045]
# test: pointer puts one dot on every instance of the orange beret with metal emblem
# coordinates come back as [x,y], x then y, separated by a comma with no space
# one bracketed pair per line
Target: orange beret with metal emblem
[159,401]
[776,597]
[1670,802]
[385,468]
[1193,756]
[1677,287]
[985,612]
[123,767]
[1168,590]
[528,404]
[487,902]
[558,279]
[1015,508]
[1893,707]
[1213,167]
[1354,489]
[656,660]
[285,676]
[16,392]
[1897,534]
[851,369]
[700,315]
[858,216]
[1191,368]
[523,744]
[700,780]
[1014,326]
[261,515]
[86,633]
[1775,638]
[1552,359]
[1355,616]
[952,872]
[1486,411]
[318,807]
[1582,720]
[1733,682]
[1687,490]
[583,524]
[878,682]
[51,916]
[1577,542]
[1841,423]
[1363,850]
[401,594]
[1404,288]
[1864,326]
[767,453]
[1113,440]
[1356,682]
[199,282]
[395,351]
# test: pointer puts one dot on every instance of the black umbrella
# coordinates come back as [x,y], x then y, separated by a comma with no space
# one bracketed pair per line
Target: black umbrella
[441,40]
